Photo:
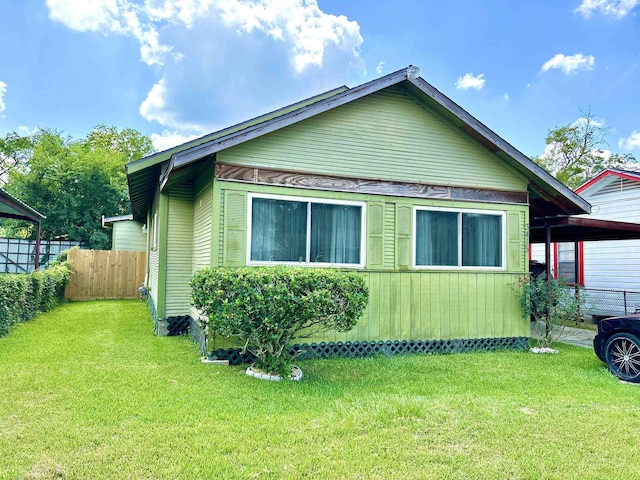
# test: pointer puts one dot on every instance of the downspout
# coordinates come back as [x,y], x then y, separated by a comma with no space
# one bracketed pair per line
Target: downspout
[547,249]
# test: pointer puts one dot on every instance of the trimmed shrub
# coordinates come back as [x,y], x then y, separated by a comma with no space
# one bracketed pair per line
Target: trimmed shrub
[266,308]
[22,296]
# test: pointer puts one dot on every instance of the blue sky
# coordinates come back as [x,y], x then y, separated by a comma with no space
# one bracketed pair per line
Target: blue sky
[175,69]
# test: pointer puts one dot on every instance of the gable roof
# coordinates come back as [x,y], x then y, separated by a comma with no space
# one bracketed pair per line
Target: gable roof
[548,196]
[606,175]
[11,207]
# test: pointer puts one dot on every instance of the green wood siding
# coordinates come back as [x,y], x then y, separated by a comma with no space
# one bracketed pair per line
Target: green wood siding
[154,254]
[386,135]
[405,303]
[202,230]
[179,251]
[433,306]
[128,235]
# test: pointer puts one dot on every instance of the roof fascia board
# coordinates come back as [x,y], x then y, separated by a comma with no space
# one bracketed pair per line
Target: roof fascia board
[159,157]
[609,172]
[22,209]
[503,145]
[193,154]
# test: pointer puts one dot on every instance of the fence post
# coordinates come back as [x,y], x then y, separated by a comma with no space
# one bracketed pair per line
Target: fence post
[624,295]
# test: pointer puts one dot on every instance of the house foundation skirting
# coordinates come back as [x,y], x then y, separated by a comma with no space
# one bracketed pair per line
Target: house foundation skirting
[307,351]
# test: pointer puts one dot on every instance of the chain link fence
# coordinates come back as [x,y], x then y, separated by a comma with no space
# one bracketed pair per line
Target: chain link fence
[600,302]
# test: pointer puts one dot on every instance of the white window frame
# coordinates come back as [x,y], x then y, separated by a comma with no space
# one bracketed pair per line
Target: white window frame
[309,201]
[460,211]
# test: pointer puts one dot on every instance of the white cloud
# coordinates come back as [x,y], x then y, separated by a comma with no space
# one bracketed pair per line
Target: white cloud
[569,63]
[210,53]
[121,17]
[3,92]
[168,139]
[380,67]
[615,8]
[632,142]
[305,28]
[506,97]
[154,109]
[301,24]
[469,81]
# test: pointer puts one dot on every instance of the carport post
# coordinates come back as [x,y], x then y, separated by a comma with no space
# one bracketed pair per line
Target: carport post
[547,249]
[547,266]
[36,261]
[576,269]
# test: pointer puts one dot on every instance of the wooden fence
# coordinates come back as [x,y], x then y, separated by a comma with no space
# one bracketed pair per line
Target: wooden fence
[105,274]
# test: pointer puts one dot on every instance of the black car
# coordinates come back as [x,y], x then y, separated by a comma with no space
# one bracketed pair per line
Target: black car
[618,345]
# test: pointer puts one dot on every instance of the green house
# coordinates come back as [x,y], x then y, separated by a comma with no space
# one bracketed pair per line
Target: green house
[391,179]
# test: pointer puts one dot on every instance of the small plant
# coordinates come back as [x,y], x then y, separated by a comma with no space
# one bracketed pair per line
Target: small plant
[550,304]
[266,308]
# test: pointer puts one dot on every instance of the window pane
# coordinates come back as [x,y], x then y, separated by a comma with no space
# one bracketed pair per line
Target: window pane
[481,240]
[566,261]
[278,230]
[436,238]
[335,233]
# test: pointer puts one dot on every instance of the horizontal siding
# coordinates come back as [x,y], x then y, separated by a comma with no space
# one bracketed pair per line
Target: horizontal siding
[128,235]
[153,275]
[386,135]
[433,306]
[202,215]
[179,251]
[614,264]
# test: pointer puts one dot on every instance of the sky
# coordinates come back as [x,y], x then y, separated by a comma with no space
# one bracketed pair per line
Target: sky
[179,69]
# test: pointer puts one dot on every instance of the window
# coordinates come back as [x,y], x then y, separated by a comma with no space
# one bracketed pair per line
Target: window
[299,230]
[565,262]
[448,238]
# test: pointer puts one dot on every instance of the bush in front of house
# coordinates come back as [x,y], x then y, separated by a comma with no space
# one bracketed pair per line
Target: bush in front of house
[550,304]
[24,295]
[266,308]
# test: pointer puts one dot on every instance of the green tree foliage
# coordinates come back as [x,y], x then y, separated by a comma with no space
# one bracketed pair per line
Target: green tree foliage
[74,182]
[575,153]
[15,151]
[266,308]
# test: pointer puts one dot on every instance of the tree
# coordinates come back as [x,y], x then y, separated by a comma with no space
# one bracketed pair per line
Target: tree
[15,151]
[74,182]
[574,152]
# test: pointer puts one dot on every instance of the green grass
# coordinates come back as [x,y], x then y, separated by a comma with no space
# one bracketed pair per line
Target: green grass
[87,392]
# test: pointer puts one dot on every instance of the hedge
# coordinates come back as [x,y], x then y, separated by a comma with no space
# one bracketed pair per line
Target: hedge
[266,308]
[23,296]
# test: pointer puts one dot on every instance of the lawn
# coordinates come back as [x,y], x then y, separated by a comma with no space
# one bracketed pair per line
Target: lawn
[87,392]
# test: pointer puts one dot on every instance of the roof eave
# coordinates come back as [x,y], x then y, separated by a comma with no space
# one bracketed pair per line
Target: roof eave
[489,136]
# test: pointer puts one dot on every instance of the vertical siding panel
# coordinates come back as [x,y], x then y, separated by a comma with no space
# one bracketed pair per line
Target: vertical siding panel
[465,306]
[385,307]
[417,307]
[427,320]
[473,292]
[405,306]
[373,309]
